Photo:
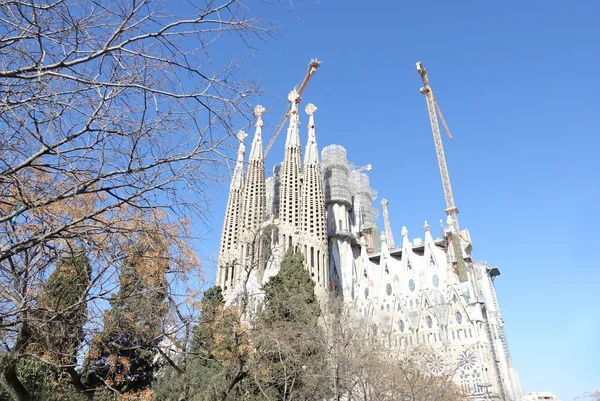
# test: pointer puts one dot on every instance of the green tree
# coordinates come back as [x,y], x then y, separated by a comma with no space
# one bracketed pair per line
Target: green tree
[219,361]
[47,370]
[44,382]
[195,374]
[64,308]
[123,355]
[289,341]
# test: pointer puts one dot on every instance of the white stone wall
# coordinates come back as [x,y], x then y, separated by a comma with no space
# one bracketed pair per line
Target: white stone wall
[415,298]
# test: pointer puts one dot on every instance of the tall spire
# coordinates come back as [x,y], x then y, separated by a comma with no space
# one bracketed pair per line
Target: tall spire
[237,180]
[255,193]
[231,227]
[313,198]
[387,225]
[293,134]
[256,152]
[311,157]
[313,209]
[289,200]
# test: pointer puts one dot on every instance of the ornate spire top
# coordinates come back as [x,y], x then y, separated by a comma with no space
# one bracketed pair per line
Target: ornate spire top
[258,112]
[426,226]
[293,136]
[238,172]
[256,152]
[310,110]
[312,153]
[294,99]
[383,237]
[241,136]
[404,232]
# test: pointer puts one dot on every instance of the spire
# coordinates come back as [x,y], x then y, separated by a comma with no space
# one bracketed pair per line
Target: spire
[293,134]
[256,152]
[312,153]
[313,195]
[289,198]
[386,221]
[238,172]
[231,228]
[255,196]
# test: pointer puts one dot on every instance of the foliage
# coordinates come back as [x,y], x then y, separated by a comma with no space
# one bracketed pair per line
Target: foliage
[44,382]
[114,118]
[123,354]
[290,344]
[63,307]
[220,356]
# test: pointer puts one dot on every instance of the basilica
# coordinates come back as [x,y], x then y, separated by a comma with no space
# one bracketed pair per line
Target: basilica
[419,290]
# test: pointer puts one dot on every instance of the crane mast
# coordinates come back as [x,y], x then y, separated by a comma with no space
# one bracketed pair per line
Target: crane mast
[451,209]
[312,68]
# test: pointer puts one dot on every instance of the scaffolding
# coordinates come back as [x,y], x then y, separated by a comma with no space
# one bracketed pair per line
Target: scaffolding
[335,175]
[361,189]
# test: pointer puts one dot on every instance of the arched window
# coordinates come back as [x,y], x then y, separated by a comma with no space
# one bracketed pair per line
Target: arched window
[429,321]
[340,225]
[458,318]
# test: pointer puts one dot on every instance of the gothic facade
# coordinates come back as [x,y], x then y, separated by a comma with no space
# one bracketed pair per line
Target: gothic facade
[419,291]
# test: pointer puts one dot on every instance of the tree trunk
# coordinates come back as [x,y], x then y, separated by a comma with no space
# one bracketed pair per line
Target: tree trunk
[12,384]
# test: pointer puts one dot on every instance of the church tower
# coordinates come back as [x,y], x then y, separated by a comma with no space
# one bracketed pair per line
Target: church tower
[229,251]
[313,210]
[338,202]
[290,181]
[254,210]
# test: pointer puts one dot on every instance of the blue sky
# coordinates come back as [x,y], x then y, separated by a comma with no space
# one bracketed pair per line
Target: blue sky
[518,84]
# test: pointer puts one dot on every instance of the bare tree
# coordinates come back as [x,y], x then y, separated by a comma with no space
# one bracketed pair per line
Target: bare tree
[366,369]
[113,118]
[591,395]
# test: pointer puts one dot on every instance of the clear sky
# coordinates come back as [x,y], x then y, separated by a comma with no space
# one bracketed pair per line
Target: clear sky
[518,84]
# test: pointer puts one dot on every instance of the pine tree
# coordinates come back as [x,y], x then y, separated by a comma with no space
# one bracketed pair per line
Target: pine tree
[123,354]
[289,341]
[64,308]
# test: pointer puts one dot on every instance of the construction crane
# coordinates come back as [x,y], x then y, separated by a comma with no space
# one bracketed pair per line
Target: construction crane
[312,68]
[451,209]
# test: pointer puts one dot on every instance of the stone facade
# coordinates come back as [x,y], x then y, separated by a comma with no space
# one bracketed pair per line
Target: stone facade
[411,291]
